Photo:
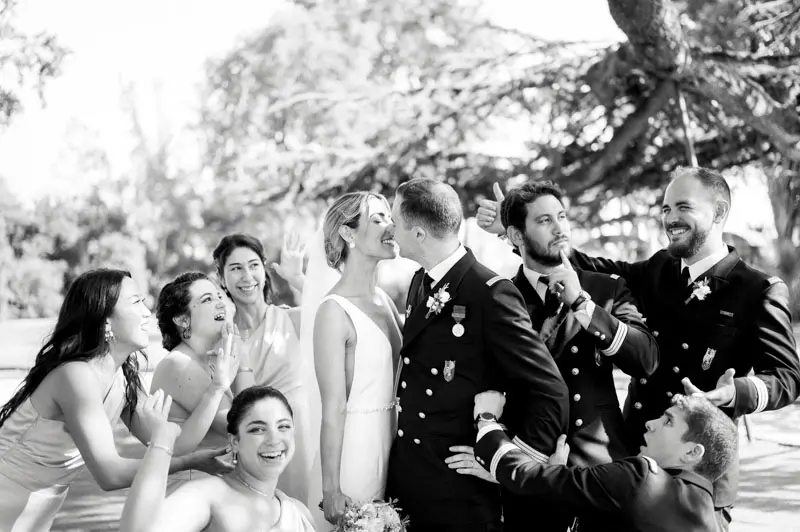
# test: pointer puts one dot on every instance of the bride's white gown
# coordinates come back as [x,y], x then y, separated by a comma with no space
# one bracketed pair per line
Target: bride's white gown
[371,418]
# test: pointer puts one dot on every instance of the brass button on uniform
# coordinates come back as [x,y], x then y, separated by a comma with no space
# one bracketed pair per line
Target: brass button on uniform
[669,394]
[642,381]
[422,415]
[429,392]
[400,433]
[676,369]
[406,361]
[574,349]
[637,405]
[403,385]
[685,346]
[578,422]
[434,371]
[576,397]
[655,334]
[575,371]
[416,441]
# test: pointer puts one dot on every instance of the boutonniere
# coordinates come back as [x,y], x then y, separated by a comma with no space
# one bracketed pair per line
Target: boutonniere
[700,291]
[437,301]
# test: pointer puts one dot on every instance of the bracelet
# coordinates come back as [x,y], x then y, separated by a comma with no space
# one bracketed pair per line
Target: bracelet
[162,447]
[245,369]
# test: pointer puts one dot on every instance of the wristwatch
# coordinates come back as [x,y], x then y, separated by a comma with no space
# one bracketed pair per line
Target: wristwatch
[582,298]
[485,416]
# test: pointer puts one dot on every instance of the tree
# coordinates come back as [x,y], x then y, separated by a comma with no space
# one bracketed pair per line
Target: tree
[25,60]
[343,95]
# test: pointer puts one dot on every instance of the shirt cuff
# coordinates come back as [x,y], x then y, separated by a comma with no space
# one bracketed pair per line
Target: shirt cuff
[584,315]
[487,429]
[732,402]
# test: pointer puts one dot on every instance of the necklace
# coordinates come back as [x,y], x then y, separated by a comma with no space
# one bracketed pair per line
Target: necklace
[251,488]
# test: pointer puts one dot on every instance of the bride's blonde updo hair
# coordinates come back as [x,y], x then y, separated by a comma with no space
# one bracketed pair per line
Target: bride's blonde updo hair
[345,211]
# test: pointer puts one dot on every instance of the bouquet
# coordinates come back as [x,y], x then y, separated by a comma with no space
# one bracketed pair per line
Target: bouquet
[377,516]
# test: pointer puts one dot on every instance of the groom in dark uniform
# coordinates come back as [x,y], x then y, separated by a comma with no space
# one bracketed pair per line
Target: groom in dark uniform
[591,326]
[467,331]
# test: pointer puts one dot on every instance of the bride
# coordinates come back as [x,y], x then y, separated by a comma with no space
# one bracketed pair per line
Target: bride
[356,346]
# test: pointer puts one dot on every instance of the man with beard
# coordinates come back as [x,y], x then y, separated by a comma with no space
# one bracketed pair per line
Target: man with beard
[590,323]
[716,319]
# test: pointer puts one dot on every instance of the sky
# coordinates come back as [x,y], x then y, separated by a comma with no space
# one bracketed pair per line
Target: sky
[160,46]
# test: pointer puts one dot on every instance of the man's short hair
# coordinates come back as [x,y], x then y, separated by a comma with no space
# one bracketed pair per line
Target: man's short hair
[514,208]
[711,428]
[711,180]
[432,205]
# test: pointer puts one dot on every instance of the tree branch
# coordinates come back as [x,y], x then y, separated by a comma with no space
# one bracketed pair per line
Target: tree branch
[635,125]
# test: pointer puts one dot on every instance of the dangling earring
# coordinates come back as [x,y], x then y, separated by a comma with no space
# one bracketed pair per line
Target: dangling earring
[109,334]
[351,245]
[235,458]
[187,332]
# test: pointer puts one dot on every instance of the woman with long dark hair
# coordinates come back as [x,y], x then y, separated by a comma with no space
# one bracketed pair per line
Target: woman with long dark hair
[84,378]
[269,335]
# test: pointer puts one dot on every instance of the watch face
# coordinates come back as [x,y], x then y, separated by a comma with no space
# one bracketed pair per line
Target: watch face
[487,417]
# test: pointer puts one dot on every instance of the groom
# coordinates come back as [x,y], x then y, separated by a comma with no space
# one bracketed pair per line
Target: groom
[467,330]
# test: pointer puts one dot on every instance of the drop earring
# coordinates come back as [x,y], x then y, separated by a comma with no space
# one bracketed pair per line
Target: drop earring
[235,458]
[186,333]
[109,334]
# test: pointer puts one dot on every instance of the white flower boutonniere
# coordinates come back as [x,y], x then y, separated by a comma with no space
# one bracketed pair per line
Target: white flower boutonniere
[701,290]
[437,301]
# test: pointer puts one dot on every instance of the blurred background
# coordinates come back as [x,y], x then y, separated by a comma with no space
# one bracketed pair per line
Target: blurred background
[137,135]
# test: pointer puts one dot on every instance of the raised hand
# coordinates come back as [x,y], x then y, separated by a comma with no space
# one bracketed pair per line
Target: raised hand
[464,463]
[222,362]
[290,267]
[210,461]
[489,212]
[153,413]
[559,457]
[568,277]
[722,395]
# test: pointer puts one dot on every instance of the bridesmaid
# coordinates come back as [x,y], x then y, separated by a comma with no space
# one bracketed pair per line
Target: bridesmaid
[261,433]
[194,317]
[269,336]
[84,379]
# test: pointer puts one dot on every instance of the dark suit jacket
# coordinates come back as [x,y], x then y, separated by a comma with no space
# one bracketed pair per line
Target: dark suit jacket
[586,358]
[441,375]
[632,494]
[743,323]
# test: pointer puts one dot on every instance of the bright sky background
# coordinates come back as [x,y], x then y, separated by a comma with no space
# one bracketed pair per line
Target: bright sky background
[160,46]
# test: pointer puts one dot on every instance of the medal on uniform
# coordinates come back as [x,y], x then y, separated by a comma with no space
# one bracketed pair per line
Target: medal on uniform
[449,370]
[708,358]
[408,311]
[459,313]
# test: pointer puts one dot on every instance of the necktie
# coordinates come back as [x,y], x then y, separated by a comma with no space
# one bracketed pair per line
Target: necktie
[424,289]
[685,277]
[551,300]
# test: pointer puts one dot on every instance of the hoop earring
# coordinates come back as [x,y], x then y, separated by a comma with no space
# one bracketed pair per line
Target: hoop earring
[186,333]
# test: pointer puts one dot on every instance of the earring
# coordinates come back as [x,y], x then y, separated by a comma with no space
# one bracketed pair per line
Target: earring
[351,245]
[186,333]
[109,334]
[235,458]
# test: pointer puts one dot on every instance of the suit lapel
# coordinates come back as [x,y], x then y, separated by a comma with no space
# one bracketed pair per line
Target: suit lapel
[413,290]
[532,300]
[717,275]
[417,322]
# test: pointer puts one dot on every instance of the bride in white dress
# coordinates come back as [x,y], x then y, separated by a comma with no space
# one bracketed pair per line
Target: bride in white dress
[356,346]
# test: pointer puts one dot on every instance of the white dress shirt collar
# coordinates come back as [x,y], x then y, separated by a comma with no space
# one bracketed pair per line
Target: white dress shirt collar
[441,269]
[702,266]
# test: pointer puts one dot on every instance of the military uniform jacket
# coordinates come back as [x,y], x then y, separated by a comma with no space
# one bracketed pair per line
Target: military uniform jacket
[444,367]
[742,323]
[629,495]
[586,358]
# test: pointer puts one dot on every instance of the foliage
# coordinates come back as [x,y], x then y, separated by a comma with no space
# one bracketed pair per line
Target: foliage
[25,60]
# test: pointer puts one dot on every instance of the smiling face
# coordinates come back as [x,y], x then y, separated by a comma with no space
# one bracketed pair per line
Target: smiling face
[207,308]
[265,443]
[130,318]
[689,215]
[664,440]
[405,234]
[374,236]
[244,276]
[547,231]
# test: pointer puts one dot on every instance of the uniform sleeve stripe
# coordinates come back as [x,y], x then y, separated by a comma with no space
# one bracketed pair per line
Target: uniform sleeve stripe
[501,452]
[530,451]
[762,394]
[616,343]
